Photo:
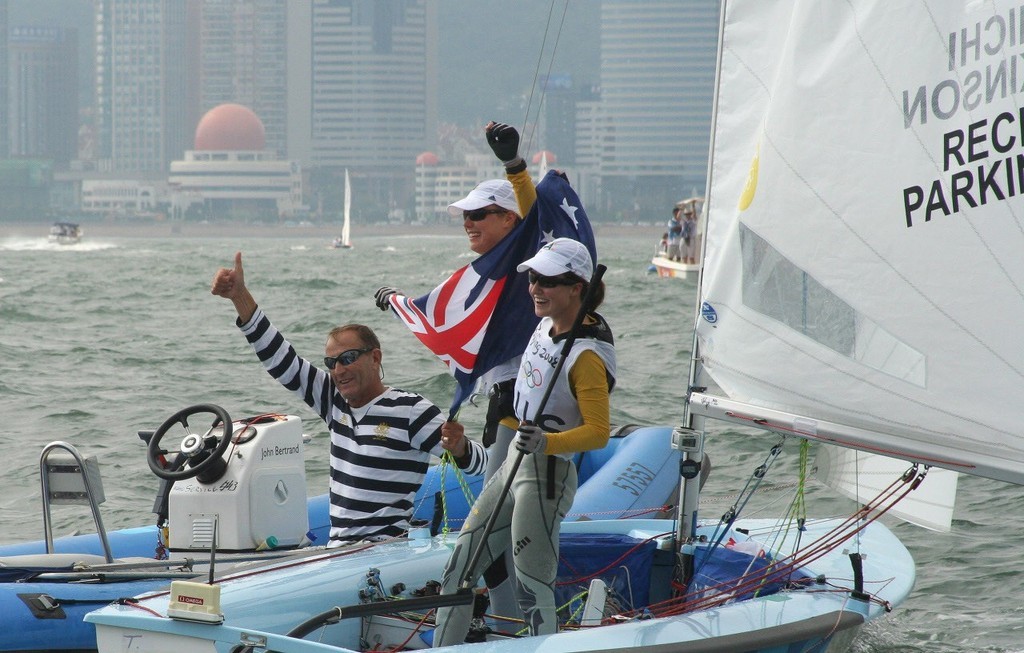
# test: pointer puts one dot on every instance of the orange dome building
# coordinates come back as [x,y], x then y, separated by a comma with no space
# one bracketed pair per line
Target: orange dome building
[230,174]
[427,159]
[230,127]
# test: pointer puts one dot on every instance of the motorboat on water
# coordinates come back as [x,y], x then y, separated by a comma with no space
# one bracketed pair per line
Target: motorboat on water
[65,233]
[234,495]
[683,263]
[252,511]
[667,268]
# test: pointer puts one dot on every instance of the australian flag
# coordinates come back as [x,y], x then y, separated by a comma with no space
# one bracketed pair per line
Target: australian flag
[482,315]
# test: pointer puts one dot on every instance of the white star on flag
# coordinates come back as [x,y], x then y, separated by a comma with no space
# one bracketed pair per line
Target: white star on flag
[570,211]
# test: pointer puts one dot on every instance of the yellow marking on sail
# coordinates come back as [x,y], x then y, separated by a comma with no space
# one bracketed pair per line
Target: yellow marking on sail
[747,196]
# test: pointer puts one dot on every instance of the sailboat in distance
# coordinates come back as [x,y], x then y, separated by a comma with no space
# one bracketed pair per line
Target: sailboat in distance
[345,240]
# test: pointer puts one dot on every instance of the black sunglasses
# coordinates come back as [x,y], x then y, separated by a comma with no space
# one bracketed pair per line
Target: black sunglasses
[346,357]
[476,215]
[552,282]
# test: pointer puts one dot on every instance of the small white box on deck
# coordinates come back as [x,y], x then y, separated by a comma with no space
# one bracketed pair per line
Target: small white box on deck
[195,602]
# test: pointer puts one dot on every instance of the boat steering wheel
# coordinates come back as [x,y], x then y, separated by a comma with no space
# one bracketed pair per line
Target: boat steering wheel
[202,457]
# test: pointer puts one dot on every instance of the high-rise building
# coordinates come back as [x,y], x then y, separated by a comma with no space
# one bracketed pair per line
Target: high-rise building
[143,116]
[372,90]
[559,116]
[5,145]
[656,89]
[244,59]
[43,88]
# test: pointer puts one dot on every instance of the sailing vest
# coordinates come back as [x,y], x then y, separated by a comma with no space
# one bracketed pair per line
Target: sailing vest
[561,412]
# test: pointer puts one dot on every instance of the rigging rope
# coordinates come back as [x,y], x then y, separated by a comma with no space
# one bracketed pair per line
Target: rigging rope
[536,74]
[727,520]
[782,569]
[797,509]
[447,460]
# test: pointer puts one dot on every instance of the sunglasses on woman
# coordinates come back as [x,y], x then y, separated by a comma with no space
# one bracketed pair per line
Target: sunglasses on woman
[552,282]
[346,357]
[476,215]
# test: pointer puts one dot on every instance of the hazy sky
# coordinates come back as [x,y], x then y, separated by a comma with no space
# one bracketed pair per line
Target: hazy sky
[489,50]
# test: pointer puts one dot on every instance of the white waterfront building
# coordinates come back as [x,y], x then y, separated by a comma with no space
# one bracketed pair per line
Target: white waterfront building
[249,184]
[122,198]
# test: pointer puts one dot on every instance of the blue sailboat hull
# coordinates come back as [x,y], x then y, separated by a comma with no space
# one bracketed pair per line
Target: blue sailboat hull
[814,616]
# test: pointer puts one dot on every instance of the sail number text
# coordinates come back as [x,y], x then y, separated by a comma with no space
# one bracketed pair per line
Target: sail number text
[634,478]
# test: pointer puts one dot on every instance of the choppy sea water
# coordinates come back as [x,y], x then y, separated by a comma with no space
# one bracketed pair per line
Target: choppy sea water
[111,336]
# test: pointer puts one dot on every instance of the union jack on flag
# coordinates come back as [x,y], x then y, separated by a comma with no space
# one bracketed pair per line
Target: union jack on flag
[456,320]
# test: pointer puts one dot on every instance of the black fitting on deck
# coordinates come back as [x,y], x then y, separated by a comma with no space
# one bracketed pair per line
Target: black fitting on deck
[858,577]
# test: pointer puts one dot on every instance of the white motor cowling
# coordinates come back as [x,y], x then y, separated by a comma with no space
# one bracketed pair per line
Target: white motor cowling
[262,494]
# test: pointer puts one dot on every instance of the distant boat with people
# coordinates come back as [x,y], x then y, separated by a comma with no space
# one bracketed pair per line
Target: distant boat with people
[680,259]
[668,268]
[65,233]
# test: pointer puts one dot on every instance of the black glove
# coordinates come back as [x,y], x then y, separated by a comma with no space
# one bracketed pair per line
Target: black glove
[382,295]
[504,141]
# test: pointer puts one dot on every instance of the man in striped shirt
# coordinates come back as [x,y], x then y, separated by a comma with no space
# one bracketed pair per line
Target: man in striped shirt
[381,438]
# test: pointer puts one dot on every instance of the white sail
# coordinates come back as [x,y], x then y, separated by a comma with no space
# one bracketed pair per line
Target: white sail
[346,239]
[862,476]
[863,275]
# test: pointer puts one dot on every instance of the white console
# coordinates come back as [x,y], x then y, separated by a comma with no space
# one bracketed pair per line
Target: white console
[261,495]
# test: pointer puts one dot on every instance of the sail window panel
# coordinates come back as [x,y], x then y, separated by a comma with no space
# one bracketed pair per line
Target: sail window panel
[877,348]
[777,288]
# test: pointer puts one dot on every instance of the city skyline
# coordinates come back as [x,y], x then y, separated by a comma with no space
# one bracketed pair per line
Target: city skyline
[626,105]
[469,44]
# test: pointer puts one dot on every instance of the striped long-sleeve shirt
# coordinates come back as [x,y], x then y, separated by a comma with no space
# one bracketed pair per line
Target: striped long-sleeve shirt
[379,452]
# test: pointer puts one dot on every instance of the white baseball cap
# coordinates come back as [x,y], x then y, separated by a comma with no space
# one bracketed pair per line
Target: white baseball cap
[492,191]
[559,256]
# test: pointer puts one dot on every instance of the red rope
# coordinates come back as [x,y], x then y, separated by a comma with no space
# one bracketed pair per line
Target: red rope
[713,596]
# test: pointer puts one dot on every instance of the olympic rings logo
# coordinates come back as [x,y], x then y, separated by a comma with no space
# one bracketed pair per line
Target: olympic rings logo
[534,376]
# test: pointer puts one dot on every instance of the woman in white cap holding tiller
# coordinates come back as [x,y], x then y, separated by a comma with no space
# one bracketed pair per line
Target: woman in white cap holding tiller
[575,417]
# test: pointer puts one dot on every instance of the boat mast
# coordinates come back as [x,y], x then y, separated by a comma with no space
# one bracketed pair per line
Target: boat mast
[689,439]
